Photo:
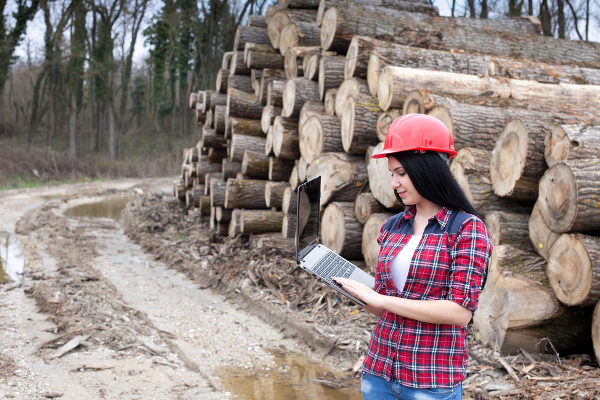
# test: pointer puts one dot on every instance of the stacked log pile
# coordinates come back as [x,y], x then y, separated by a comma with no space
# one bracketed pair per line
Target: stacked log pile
[310,89]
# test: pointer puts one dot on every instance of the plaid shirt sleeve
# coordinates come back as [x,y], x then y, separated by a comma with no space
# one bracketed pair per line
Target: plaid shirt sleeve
[469,259]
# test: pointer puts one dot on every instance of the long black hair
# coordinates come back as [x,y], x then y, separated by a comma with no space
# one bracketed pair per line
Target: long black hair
[431,176]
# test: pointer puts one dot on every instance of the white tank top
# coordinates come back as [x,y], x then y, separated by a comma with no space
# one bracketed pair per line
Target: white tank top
[401,263]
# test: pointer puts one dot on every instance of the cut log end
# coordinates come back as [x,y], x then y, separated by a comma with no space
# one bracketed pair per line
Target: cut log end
[558,198]
[328,28]
[508,158]
[557,146]
[570,270]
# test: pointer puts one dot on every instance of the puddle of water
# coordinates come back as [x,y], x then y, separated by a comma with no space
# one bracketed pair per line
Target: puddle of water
[12,261]
[102,209]
[294,377]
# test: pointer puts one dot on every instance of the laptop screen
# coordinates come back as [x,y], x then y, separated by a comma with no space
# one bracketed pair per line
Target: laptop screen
[307,230]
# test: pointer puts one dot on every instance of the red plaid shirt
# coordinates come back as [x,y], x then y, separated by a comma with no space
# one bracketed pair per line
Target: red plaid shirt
[445,265]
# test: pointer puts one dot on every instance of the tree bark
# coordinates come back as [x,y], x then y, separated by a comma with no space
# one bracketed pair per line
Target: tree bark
[238,66]
[349,88]
[274,194]
[331,73]
[297,92]
[540,235]
[299,4]
[243,126]
[268,117]
[242,104]
[340,231]
[508,227]
[271,75]
[219,119]
[342,176]
[370,233]
[309,109]
[203,167]
[320,134]
[245,193]
[241,143]
[294,59]
[279,169]
[255,164]
[289,201]
[260,221]
[275,93]
[359,124]
[384,120]
[249,34]
[281,18]
[329,101]
[596,331]
[288,225]
[299,34]
[239,82]
[411,6]
[217,192]
[262,56]
[285,138]
[229,168]
[574,269]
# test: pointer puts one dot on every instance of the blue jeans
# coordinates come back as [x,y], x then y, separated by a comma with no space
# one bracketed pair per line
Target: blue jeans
[376,388]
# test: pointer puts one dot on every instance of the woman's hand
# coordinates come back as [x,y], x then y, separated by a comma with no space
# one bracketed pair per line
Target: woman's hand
[362,291]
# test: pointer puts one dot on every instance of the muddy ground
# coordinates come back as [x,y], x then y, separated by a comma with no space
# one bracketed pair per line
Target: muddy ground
[155,305]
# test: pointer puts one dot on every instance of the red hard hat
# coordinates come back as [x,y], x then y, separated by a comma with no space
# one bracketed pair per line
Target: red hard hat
[417,132]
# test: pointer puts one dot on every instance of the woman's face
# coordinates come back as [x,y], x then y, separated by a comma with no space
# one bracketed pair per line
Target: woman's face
[402,184]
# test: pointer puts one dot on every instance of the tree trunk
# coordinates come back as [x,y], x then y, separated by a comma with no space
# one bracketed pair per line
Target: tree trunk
[309,109]
[574,269]
[540,235]
[235,227]
[255,164]
[508,227]
[349,88]
[241,143]
[275,93]
[411,6]
[298,4]
[342,176]
[279,169]
[217,192]
[396,82]
[245,193]
[274,194]
[238,66]
[242,104]
[379,179]
[320,134]
[260,221]
[299,34]
[370,233]
[297,92]
[294,60]
[249,34]
[262,56]
[229,168]
[239,82]
[573,143]
[282,18]
[357,58]
[359,124]
[289,201]
[270,75]
[568,197]
[219,119]
[268,117]
[288,225]
[221,81]
[340,231]
[331,73]
[203,167]
[243,126]
[365,205]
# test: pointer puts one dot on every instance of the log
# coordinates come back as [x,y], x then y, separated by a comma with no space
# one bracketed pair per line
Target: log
[567,143]
[540,235]
[207,177]
[366,205]
[229,168]
[384,120]
[379,179]
[268,117]
[342,176]
[200,116]
[288,225]
[359,124]
[508,227]
[299,34]
[568,197]
[470,168]
[310,65]
[221,80]
[249,34]
[222,214]
[396,82]
[240,143]
[357,58]
[302,167]
[243,104]
[517,160]
[331,68]
[217,192]
[274,194]
[299,4]
[309,109]
[290,201]
[275,93]
[340,231]
[245,193]
[226,60]
[179,190]
[320,134]
[341,23]
[234,228]
[210,139]
[203,204]
[211,99]
[516,295]
[285,138]
[219,119]
[258,21]
[243,126]
[203,167]
[193,99]
[349,88]
[297,92]
[412,6]
[283,17]
[271,75]
[574,269]
[262,56]
[269,142]
[294,180]
[279,169]
[255,164]
[239,82]
[294,57]
[596,331]
[329,101]
[238,66]
[260,221]
[370,233]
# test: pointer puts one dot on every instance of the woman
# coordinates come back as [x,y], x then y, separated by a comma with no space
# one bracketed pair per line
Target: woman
[430,272]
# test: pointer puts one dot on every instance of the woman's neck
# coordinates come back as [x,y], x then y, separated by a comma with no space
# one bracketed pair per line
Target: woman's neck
[424,212]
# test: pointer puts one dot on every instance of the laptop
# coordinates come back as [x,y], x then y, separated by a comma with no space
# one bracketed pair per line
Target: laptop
[314,257]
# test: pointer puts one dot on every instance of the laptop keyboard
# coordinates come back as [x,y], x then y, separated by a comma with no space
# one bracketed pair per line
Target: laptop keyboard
[332,265]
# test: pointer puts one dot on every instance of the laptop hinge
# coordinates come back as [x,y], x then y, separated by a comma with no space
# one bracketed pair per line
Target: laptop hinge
[305,251]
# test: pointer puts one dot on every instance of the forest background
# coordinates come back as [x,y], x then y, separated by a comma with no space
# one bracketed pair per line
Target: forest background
[99,88]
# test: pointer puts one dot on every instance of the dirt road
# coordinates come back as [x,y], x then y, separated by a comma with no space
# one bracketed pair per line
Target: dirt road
[94,316]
